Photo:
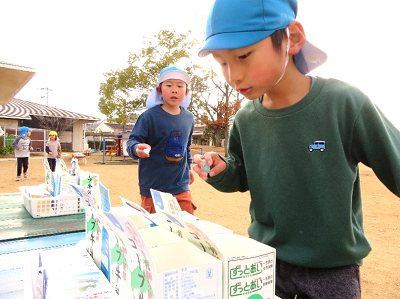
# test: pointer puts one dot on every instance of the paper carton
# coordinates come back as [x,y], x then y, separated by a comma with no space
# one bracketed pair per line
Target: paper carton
[158,236]
[69,273]
[139,219]
[90,183]
[151,266]
[248,265]
[165,202]
[94,234]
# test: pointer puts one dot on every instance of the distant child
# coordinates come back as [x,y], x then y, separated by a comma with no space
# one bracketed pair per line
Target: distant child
[161,139]
[53,150]
[22,146]
[297,146]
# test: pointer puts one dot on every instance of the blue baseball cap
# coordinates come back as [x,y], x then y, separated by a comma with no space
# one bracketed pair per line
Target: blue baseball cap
[23,131]
[235,24]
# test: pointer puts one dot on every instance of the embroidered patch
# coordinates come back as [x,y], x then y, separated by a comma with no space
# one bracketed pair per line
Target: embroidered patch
[317,146]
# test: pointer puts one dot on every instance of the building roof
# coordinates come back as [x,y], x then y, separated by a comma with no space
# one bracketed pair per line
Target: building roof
[19,109]
[118,127]
[12,79]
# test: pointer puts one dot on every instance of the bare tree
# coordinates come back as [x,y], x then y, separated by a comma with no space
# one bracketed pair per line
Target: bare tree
[60,125]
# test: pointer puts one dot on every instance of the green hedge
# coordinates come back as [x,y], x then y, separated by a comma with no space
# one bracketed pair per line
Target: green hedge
[6,150]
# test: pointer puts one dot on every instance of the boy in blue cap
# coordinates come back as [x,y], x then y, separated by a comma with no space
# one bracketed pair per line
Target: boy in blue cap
[161,139]
[296,146]
[22,146]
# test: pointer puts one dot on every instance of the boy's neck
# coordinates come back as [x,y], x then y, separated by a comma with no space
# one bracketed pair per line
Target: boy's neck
[289,92]
[174,110]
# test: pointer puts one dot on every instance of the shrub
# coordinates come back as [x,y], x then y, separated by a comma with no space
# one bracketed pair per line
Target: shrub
[6,150]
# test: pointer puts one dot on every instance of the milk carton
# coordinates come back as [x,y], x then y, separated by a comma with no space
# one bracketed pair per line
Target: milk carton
[90,182]
[248,265]
[151,263]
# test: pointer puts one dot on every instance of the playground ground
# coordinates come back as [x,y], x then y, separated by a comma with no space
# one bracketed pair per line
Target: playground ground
[380,273]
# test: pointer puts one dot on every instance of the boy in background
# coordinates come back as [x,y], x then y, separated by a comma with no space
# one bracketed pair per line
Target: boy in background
[296,146]
[53,150]
[22,146]
[161,139]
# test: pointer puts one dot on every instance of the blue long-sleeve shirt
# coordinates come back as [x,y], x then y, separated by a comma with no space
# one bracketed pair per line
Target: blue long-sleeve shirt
[167,168]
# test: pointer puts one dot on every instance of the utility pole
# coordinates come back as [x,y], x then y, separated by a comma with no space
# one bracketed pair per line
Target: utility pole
[47,94]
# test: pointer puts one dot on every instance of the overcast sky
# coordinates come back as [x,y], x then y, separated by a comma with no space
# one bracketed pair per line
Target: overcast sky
[72,43]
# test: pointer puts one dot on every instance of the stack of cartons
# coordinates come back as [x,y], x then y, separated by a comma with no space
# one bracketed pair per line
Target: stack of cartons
[167,255]
[248,265]
[149,262]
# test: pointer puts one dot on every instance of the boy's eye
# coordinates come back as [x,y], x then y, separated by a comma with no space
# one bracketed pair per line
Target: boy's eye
[244,56]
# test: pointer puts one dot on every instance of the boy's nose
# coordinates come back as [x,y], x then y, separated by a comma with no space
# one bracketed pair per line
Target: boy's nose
[235,74]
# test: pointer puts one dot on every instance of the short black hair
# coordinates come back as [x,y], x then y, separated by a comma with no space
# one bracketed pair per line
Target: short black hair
[277,38]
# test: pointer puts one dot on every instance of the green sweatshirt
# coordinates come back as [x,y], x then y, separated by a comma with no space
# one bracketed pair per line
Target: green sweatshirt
[305,195]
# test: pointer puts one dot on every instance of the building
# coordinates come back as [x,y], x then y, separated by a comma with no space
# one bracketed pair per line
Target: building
[12,79]
[19,113]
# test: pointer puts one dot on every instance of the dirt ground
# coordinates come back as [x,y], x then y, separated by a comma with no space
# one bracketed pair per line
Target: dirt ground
[380,273]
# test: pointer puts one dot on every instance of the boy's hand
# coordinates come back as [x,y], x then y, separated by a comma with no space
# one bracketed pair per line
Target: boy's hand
[143,150]
[191,177]
[31,149]
[217,165]
[50,153]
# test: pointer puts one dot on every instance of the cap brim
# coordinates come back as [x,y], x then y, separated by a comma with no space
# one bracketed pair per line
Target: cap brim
[174,74]
[232,40]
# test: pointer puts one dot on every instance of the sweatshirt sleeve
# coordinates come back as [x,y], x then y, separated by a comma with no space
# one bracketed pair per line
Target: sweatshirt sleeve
[189,149]
[15,144]
[138,135]
[376,143]
[234,177]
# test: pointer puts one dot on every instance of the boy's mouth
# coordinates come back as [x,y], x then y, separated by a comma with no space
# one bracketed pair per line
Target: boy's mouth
[244,91]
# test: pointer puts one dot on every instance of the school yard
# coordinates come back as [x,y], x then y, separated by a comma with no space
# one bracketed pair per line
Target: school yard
[380,272]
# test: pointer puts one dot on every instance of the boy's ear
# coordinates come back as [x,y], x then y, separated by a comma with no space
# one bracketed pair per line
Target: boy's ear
[187,92]
[297,37]
[158,90]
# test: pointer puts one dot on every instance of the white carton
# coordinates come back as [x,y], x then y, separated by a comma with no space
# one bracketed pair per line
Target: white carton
[94,234]
[139,219]
[91,184]
[144,267]
[165,202]
[158,236]
[248,265]
[69,273]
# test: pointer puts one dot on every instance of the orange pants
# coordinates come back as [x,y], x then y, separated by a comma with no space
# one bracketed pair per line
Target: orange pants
[184,199]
